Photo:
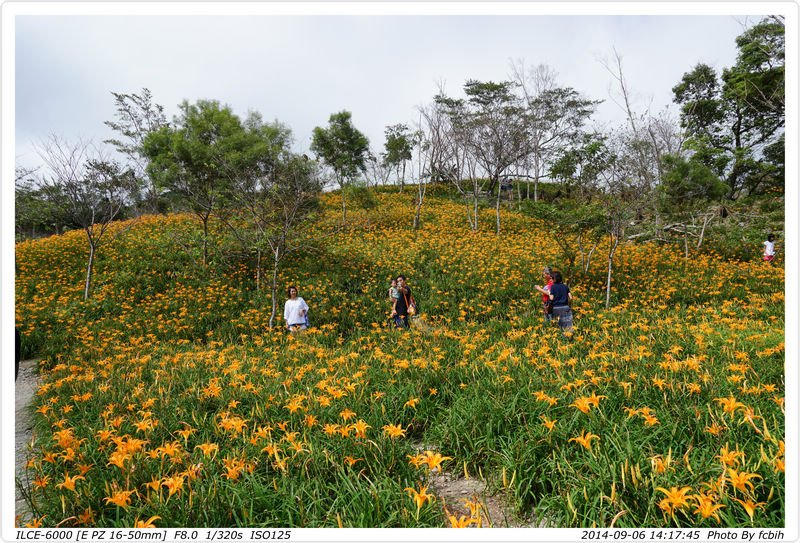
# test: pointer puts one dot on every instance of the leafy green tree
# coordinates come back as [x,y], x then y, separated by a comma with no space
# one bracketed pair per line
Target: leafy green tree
[136,117]
[686,188]
[342,148]
[496,117]
[687,181]
[35,209]
[580,169]
[258,173]
[193,157]
[733,120]
[399,145]
[577,233]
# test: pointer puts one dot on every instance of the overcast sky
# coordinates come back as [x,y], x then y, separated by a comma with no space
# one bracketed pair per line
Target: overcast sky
[300,69]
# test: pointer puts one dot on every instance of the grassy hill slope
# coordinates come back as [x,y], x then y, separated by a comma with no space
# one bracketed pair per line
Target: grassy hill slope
[166,394]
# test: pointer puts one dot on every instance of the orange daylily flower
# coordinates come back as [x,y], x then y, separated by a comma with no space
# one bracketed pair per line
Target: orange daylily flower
[394,431]
[149,523]
[585,440]
[741,480]
[676,498]
[420,497]
[120,498]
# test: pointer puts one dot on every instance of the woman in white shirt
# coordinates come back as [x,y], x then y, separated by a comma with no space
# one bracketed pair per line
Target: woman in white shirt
[295,312]
[769,248]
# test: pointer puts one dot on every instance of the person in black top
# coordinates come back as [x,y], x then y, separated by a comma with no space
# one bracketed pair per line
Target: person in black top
[400,312]
[561,297]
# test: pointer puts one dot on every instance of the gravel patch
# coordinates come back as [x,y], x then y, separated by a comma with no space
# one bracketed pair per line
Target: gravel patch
[25,389]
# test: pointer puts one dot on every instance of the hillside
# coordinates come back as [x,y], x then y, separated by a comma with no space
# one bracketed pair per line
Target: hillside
[166,395]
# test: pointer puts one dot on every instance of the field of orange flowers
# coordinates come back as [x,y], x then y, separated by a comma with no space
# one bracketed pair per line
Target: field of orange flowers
[167,401]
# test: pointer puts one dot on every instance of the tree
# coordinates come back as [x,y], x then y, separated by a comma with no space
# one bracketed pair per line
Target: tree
[554,117]
[577,233]
[422,181]
[192,157]
[136,117]
[399,145]
[251,174]
[639,147]
[342,148]
[378,169]
[733,120]
[579,169]
[495,119]
[90,191]
[270,192]
[294,197]
[273,209]
[686,188]
[35,209]
[446,150]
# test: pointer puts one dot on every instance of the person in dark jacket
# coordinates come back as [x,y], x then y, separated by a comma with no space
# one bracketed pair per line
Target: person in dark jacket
[561,298]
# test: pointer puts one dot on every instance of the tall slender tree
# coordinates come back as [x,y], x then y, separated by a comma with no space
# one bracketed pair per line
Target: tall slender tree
[398,146]
[343,148]
[90,191]
[189,158]
[137,115]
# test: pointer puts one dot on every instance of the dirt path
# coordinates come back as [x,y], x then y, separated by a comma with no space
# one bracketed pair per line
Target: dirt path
[25,388]
[452,490]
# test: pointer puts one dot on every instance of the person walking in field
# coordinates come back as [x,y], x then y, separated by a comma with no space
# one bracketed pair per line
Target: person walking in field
[561,298]
[405,305]
[295,311]
[547,306]
[769,249]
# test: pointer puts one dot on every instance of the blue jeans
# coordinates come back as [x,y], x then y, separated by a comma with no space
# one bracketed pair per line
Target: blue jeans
[401,321]
[563,315]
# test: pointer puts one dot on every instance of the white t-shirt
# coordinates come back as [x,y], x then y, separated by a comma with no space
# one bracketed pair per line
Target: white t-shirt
[293,311]
[769,248]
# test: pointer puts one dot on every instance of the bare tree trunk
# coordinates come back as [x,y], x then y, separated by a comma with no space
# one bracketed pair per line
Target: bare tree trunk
[89,268]
[586,258]
[344,208]
[497,206]
[686,242]
[205,240]
[258,270]
[475,211]
[589,257]
[475,191]
[422,185]
[275,263]
[611,251]
[706,220]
